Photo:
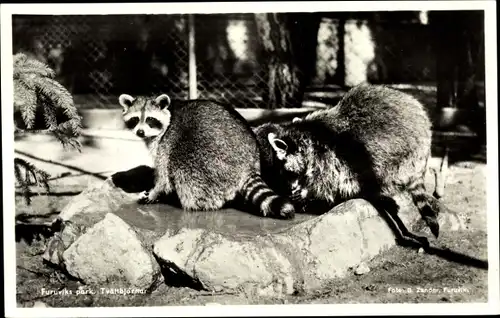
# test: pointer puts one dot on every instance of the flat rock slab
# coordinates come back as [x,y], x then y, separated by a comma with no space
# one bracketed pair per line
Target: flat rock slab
[107,236]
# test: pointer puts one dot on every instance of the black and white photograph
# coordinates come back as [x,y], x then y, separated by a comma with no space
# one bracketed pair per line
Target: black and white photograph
[251,158]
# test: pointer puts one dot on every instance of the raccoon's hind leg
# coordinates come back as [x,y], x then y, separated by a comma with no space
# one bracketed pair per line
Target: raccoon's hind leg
[256,192]
[201,203]
[200,200]
[199,194]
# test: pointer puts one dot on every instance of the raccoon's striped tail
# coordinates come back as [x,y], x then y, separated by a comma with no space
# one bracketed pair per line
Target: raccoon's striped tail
[258,194]
[428,206]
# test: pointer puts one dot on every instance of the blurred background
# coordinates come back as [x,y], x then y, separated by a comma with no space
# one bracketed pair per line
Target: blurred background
[268,60]
[232,57]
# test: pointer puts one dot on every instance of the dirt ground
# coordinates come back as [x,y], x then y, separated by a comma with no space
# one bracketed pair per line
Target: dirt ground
[392,274]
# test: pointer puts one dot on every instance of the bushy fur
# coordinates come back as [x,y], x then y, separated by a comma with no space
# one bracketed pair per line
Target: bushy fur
[207,154]
[375,142]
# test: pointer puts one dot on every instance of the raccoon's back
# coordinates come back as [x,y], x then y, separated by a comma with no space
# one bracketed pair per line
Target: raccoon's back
[388,122]
[376,106]
[205,129]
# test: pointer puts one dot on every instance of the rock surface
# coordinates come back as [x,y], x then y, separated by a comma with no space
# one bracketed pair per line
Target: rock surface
[111,249]
[107,236]
[299,258]
[82,213]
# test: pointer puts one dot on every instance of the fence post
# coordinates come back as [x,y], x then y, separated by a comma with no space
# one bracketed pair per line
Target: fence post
[193,89]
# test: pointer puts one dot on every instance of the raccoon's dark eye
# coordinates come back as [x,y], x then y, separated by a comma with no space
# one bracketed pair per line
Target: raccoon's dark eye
[132,122]
[154,123]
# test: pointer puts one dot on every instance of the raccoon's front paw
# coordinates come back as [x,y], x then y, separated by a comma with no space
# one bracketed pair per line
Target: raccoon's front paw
[146,198]
[143,198]
[298,195]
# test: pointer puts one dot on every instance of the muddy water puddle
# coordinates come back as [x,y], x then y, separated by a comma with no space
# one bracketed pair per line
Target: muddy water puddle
[163,217]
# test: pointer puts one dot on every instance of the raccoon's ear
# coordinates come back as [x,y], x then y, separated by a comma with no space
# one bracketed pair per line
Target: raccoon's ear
[126,101]
[162,101]
[296,119]
[278,145]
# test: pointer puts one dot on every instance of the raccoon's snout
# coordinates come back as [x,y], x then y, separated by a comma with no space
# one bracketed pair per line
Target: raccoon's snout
[140,133]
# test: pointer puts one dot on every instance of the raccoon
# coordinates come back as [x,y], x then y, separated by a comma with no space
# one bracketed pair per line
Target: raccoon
[204,152]
[373,144]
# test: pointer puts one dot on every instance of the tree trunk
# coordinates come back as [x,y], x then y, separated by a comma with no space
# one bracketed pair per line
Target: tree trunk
[445,47]
[289,44]
[456,52]
[468,58]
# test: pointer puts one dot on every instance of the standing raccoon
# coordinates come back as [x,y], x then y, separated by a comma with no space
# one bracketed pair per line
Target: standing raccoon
[203,151]
[373,144]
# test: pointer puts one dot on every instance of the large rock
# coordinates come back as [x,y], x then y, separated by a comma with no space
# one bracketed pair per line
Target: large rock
[82,213]
[107,236]
[226,262]
[97,246]
[298,258]
[109,250]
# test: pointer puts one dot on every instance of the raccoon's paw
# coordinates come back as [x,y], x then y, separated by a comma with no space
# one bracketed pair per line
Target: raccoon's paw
[430,214]
[433,225]
[143,198]
[146,198]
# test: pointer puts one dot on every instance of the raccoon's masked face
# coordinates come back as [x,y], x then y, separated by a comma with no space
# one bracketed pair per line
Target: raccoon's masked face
[147,118]
[292,163]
